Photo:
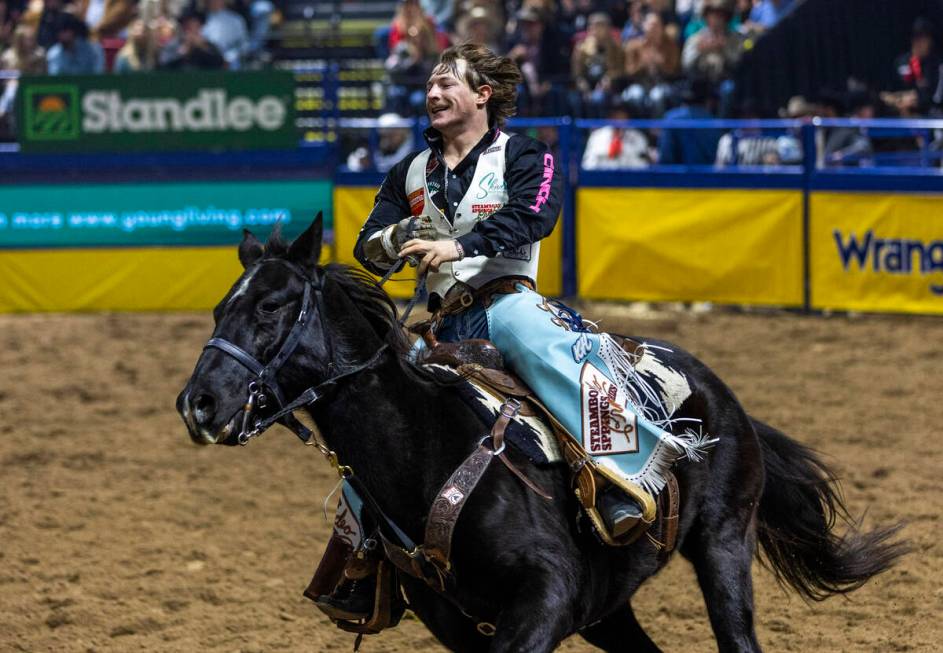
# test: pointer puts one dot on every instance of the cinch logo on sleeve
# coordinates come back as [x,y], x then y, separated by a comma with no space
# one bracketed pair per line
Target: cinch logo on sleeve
[544,193]
[903,256]
[52,112]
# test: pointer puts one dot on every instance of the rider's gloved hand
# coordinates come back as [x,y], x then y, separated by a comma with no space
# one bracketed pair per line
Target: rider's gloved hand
[384,246]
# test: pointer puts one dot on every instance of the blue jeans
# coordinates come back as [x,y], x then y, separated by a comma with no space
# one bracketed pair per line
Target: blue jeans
[470,323]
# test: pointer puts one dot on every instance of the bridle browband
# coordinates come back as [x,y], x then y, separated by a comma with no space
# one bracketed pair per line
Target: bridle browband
[266,381]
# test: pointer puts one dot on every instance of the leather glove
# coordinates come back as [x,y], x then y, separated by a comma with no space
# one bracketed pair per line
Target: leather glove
[383,248]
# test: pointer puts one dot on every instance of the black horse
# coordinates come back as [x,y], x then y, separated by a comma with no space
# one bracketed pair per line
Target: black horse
[404,433]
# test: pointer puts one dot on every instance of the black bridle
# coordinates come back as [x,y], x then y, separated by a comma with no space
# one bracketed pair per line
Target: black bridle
[266,383]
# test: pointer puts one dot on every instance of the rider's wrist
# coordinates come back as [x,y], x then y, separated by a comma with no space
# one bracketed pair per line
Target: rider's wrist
[386,239]
[459,249]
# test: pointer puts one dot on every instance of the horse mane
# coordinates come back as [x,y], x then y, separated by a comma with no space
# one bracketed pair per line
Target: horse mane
[374,304]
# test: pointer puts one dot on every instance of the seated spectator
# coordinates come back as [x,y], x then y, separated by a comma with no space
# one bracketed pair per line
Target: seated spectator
[189,49]
[748,146]
[851,146]
[411,61]
[442,12]
[697,21]
[226,30]
[25,57]
[634,28]
[539,51]
[106,18]
[73,53]
[47,29]
[651,62]
[767,13]
[10,13]
[715,49]
[690,146]
[481,25]
[609,148]
[917,74]
[575,14]
[598,64]
[410,21]
[24,54]
[260,23]
[395,142]
[139,53]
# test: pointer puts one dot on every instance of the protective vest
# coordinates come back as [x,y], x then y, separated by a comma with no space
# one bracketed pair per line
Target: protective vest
[487,193]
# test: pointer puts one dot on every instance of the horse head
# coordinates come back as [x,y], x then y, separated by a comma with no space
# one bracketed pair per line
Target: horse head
[268,340]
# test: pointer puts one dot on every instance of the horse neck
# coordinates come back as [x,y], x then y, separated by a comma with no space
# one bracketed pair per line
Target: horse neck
[389,428]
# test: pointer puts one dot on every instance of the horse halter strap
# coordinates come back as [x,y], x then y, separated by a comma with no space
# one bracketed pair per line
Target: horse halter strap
[266,380]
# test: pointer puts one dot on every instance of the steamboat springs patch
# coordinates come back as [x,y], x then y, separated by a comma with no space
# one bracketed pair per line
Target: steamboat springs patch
[608,428]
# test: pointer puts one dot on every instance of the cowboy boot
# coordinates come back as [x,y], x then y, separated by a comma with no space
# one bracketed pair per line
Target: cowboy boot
[618,510]
[354,596]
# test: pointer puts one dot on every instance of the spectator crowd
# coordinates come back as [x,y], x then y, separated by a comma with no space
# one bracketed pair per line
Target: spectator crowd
[616,59]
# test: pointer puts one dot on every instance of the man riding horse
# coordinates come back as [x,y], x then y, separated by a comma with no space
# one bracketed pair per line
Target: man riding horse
[470,211]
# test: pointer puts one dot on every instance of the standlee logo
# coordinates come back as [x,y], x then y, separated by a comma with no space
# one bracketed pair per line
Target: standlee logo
[211,110]
[52,112]
[904,256]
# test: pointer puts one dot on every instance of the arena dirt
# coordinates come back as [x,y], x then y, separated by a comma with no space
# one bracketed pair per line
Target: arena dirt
[118,534]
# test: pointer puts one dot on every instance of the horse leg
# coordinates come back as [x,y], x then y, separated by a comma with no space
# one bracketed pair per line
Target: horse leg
[538,618]
[446,623]
[721,545]
[620,631]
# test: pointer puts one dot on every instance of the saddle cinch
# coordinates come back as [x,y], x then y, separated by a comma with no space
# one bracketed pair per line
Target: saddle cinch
[480,362]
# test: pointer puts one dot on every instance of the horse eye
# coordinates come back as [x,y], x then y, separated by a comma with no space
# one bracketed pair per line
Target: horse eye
[270,307]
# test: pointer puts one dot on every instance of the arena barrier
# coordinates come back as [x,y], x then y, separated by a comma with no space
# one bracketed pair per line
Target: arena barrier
[107,241]
[814,235]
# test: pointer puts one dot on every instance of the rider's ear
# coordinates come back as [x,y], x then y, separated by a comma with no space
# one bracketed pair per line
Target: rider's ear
[306,250]
[485,92]
[250,249]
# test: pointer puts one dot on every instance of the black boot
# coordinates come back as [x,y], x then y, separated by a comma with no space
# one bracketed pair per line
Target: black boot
[352,600]
[618,510]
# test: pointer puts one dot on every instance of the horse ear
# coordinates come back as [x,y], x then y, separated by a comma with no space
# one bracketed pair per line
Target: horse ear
[250,249]
[306,250]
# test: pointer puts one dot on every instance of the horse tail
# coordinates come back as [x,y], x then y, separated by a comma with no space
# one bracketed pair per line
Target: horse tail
[799,509]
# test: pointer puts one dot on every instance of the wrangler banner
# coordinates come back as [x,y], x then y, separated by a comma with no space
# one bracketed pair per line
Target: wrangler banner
[876,252]
[157,111]
[726,246]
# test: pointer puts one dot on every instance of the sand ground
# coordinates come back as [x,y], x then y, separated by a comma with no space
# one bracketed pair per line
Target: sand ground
[118,534]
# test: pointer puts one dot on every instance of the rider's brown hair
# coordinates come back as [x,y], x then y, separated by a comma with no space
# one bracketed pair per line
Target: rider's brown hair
[485,67]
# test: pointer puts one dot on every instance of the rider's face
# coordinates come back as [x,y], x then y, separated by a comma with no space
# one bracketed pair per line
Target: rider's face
[450,102]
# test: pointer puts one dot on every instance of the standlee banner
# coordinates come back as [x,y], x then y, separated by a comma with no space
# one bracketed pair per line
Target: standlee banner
[157,112]
[156,214]
[669,244]
[876,252]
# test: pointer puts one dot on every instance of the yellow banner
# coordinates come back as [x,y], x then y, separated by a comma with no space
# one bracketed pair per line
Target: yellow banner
[725,246]
[876,252]
[127,279]
[353,204]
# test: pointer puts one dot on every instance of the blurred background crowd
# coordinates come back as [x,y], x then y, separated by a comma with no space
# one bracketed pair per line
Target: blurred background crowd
[613,59]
